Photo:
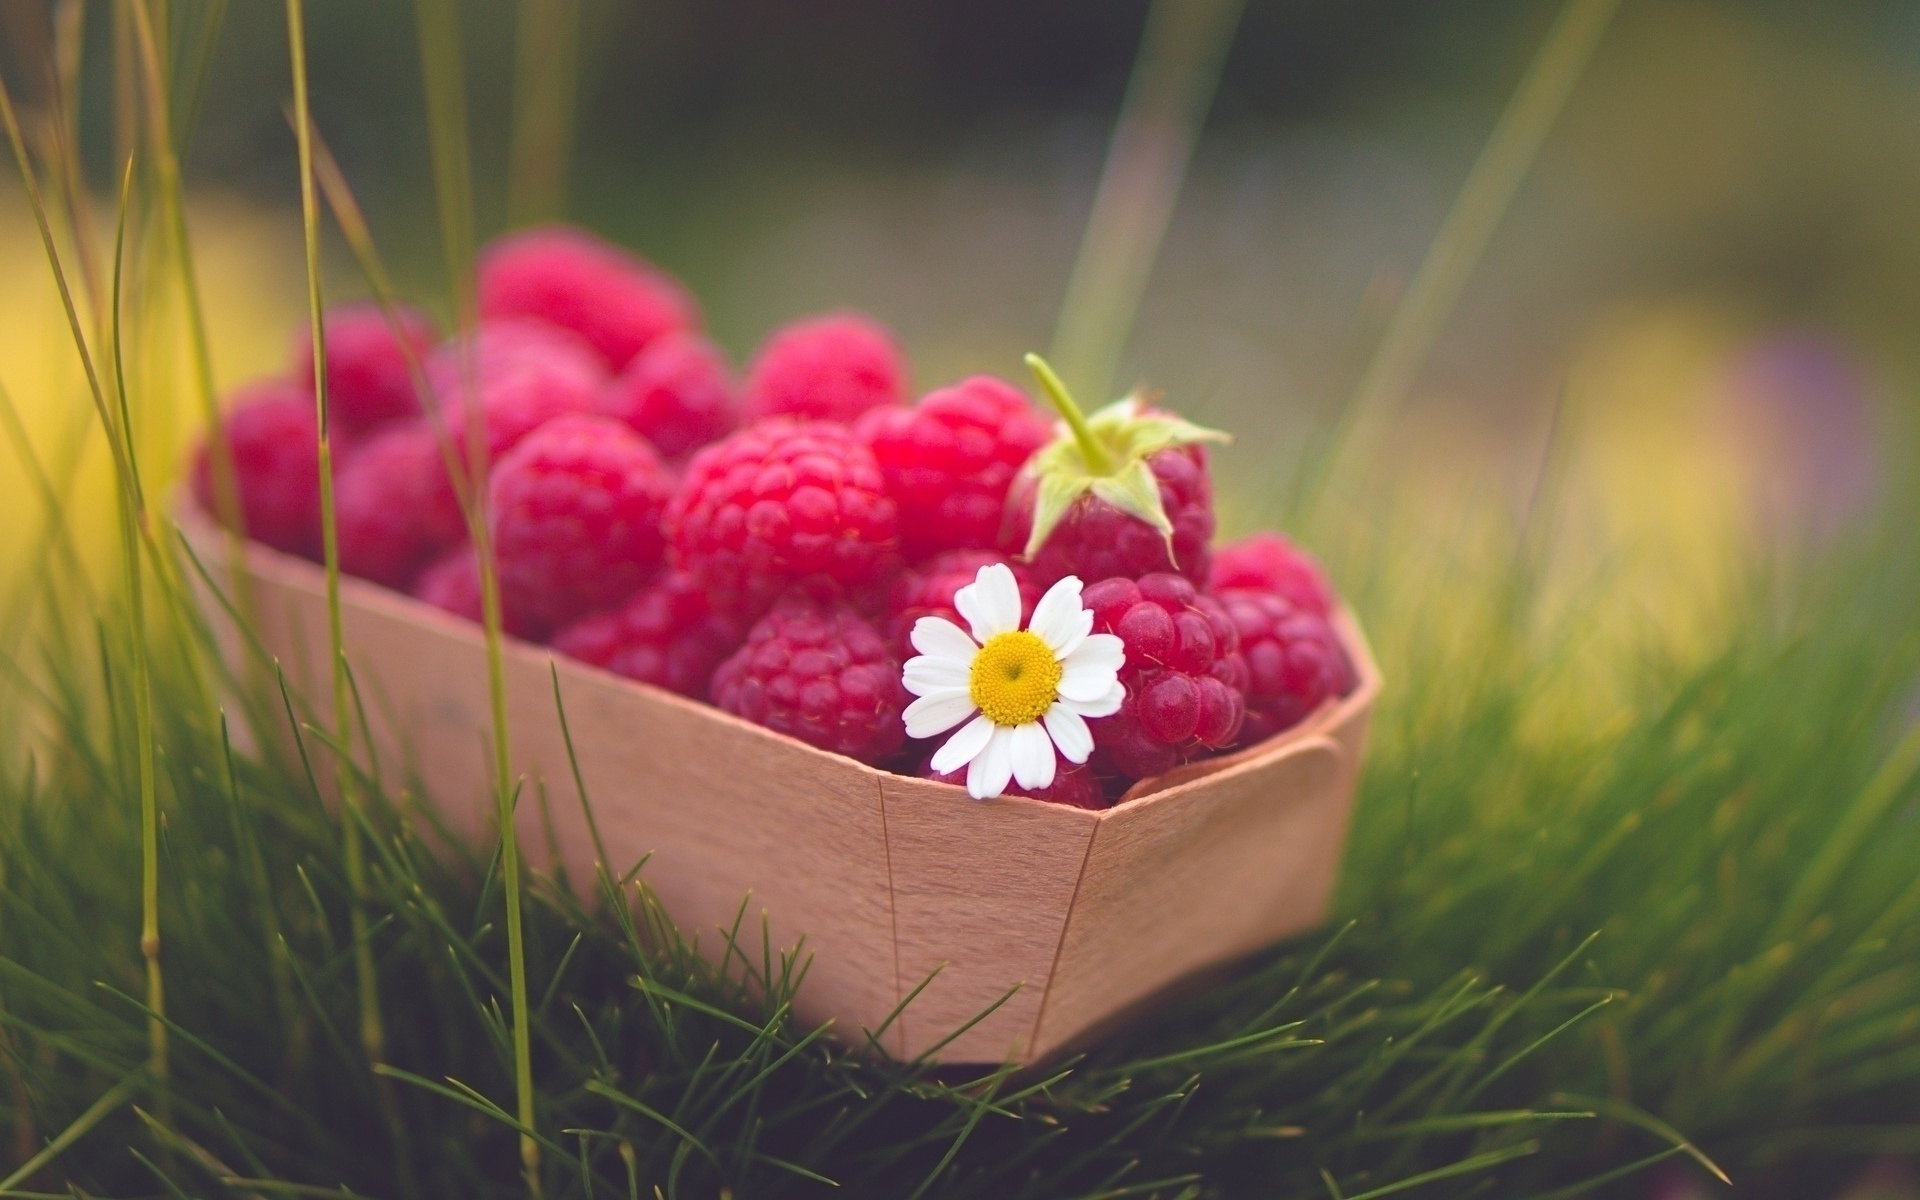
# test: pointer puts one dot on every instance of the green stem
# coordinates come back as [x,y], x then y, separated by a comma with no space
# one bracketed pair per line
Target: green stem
[1099,462]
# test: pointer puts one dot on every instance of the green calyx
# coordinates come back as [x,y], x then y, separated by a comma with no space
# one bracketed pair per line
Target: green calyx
[1106,455]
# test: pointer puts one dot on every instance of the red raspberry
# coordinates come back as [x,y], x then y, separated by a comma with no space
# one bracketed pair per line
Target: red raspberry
[779,504]
[368,383]
[927,590]
[1269,562]
[393,507]
[826,368]
[1295,662]
[501,347]
[1074,785]
[518,396]
[666,635]
[273,436]
[949,460]
[575,513]
[820,673]
[577,281]
[1097,541]
[678,393]
[451,583]
[1184,675]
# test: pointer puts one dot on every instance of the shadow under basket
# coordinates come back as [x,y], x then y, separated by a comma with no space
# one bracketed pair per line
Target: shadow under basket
[1082,916]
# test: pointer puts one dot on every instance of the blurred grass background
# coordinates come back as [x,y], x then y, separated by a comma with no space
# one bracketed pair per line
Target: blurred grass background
[1728,177]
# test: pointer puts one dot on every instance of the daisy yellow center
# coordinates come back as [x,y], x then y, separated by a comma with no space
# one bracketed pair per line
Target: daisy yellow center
[1015,678]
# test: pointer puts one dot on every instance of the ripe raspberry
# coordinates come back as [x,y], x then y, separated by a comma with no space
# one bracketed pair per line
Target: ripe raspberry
[820,673]
[272,435]
[1074,785]
[1295,662]
[451,583]
[504,346]
[949,460]
[368,383]
[393,506]
[519,396]
[678,393]
[1184,675]
[780,504]
[574,280]
[575,513]
[1269,562]
[666,635]
[826,368]
[927,590]
[1095,540]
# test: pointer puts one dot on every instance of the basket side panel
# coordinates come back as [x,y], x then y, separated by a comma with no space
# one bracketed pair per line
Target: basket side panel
[981,891]
[1197,876]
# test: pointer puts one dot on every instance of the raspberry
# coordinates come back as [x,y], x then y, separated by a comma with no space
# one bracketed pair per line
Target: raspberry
[678,393]
[272,434]
[1095,540]
[1184,675]
[1074,785]
[575,513]
[501,347]
[826,368]
[1295,662]
[666,635]
[393,506]
[574,280]
[518,394]
[818,672]
[949,460]
[1269,562]
[779,504]
[368,383]
[451,583]
[927,590]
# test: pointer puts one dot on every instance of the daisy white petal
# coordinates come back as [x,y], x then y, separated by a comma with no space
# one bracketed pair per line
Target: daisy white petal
[927,672]
[1057,617]
[1103,706]
[963,747]
[937,712]
[991,603]
[1033,760]
[1069,732]
[1094,664]
[991,769]
[941,638]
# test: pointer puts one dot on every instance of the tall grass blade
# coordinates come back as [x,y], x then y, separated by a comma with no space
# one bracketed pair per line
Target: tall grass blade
[545,85]
[1175,73]
[1477,211]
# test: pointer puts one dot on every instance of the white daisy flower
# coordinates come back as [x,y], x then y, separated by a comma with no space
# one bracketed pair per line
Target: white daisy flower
[1026,690]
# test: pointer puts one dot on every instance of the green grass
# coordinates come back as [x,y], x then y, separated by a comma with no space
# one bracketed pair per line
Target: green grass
[1612,898]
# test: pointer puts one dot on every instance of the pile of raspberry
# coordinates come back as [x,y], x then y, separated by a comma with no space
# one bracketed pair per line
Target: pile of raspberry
[764,540]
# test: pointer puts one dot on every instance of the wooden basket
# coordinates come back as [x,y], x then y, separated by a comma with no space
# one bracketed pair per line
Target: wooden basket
[1085,916]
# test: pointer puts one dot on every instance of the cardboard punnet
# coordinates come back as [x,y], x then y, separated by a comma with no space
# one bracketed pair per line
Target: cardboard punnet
[1081,916]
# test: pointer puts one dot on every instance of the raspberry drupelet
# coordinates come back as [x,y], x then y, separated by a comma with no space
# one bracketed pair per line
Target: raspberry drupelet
[1074,785]
[826,368]
[394,508]
[927,590]
[949,460]
[1123,492]
[667,635]
[272,434]
[1269,562]
[821,673]
[575,516]
[780,504]
[1184,674]
[1295,662]
[368,380]
[678,393]
[572,279]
